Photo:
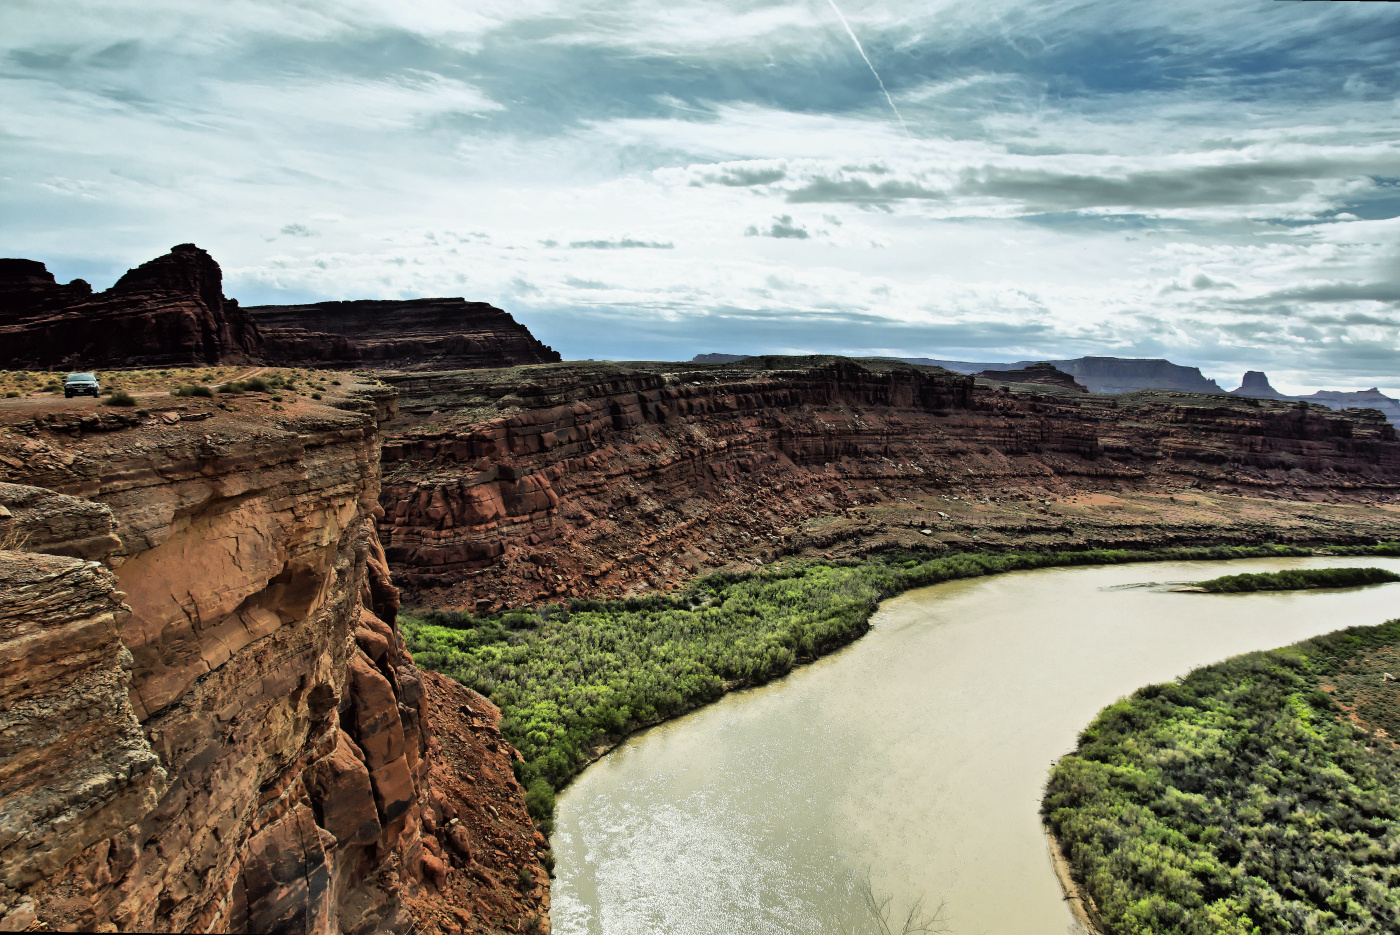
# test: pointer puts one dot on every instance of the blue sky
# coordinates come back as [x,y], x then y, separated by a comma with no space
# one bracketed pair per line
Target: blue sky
[1213,182]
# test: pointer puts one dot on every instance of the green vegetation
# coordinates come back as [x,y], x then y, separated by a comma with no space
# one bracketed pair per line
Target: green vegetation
[571,681]
[119,398]
[1298,579]
[1237,800]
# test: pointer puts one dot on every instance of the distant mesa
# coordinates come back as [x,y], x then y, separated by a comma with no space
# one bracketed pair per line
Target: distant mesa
[405,334]
[172,311]
[718,358]
[1102,374]
[1042,374]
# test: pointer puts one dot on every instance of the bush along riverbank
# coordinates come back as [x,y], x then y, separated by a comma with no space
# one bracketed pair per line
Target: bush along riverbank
[1298,579]
[571,681]
[1257,795]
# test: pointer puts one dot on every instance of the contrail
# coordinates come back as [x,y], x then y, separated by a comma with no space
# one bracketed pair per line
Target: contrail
[851,32]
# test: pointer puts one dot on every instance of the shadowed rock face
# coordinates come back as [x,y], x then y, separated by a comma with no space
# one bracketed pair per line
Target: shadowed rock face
[170,311]
[412,334]
[236,740]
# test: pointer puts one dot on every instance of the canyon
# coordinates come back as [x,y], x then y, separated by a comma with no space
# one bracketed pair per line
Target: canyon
[210,719]
[205,591]
[537,484]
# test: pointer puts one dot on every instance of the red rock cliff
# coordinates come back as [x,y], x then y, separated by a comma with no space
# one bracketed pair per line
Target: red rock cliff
[583,479]
[210,721]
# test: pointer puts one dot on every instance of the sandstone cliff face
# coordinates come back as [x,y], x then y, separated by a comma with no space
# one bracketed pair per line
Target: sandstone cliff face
[223,732]
[168,311]
[413,334]
[587,479]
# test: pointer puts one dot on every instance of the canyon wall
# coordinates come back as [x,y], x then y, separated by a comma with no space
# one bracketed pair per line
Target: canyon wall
[601,479]
[409,334]
[210,720]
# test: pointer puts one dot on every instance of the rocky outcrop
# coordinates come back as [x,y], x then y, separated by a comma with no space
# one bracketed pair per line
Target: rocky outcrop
[75,766]
[28,289]
[1035,374]
[223,732]
[581,479]
[170,311]
[411,334]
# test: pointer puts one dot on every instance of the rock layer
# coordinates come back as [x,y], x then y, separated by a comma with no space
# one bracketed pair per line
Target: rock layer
[264,749]
[583,479]
[412,334]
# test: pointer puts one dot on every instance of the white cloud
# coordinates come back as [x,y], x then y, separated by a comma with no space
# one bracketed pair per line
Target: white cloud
[1082,178]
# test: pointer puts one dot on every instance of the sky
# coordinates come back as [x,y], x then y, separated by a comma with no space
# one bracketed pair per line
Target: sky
[1216,182]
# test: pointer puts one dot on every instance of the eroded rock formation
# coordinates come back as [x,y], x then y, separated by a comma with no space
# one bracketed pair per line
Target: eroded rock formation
[169,311]
[586,479]
[412,334]
[172,311]
[221,730]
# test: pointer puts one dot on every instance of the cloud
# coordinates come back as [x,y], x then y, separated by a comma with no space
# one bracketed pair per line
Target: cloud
[860,192]
[782,227]
[1208,182]
[625,243]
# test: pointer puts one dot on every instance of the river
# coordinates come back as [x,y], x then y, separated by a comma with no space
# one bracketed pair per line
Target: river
[913,759]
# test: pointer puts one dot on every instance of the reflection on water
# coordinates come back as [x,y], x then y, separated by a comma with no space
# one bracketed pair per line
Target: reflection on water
[916,755]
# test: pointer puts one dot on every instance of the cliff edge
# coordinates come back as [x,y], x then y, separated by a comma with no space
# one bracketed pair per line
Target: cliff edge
[210,720]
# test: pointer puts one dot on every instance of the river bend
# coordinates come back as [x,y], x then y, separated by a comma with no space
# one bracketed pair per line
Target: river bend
[914,758]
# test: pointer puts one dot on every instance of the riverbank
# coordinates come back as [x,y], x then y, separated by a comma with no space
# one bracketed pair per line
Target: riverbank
[1080,904]
[1254,795]
[573,681]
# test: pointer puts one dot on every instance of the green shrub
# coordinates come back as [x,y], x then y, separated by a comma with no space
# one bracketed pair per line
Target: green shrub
[1237,800]
[567,680]
[1298,579]
[12,394]
[119,398]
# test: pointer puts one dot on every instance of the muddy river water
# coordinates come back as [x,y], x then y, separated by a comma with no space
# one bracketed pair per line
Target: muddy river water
[913,759]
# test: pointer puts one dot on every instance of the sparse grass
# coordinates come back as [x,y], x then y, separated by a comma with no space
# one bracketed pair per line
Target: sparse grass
[168,379]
